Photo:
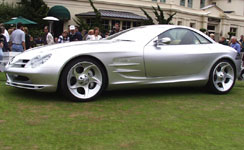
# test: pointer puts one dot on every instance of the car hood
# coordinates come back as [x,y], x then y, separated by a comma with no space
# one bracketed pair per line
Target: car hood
[56,48]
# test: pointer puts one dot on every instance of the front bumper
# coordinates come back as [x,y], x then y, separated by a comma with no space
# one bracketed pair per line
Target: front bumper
[40,79]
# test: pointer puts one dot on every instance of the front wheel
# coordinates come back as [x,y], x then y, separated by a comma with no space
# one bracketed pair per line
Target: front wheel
[222,77]
[83,79]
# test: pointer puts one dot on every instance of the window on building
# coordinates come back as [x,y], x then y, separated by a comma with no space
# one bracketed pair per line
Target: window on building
[163,1]
[90,22]
[154,0]
[233,31]
[202,3]
[211,27]
[182,2]
[126,25]
[193,25]
[136,24]
[190,3]
[179,23]
[106,24]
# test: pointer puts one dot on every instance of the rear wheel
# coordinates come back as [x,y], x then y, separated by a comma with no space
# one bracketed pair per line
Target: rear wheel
[222,77]
[83,79]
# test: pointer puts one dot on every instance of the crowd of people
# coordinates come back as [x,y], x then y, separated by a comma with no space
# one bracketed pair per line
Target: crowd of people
[238,45]
[18,39]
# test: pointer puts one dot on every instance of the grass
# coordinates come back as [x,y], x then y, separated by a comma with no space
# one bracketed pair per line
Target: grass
[152,119]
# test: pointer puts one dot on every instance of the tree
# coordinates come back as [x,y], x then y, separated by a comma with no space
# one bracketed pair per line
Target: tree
[34,10]
[97,20]
[159,14]
[149,20]
[81,23]
[8,11]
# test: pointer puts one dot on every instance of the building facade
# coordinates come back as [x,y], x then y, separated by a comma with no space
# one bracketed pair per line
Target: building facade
[216,16]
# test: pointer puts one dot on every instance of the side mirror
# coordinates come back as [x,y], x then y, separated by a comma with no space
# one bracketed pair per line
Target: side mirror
[163,41]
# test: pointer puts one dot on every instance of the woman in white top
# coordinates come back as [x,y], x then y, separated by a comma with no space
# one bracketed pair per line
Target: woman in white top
[90,34]
[96,35]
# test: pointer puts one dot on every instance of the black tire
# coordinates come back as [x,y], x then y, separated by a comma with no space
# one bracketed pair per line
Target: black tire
[212,77]
[64,79]
[242,75]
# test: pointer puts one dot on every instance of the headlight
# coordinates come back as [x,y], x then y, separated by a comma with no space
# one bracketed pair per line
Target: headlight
[39,60]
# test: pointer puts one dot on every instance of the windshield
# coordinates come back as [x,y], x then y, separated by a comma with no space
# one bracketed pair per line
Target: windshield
[129,34]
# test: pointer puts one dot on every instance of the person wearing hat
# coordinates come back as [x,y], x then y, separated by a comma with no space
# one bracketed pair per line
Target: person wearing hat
[72,34]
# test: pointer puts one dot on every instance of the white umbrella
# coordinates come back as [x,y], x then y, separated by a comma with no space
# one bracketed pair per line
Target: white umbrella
[50,19]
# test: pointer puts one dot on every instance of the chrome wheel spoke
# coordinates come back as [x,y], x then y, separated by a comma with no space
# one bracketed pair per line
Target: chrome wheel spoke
[86,89]
[76,86]
[96,80]
[88,68]
[76,74]
[224,85]
[229,76]
[224,67]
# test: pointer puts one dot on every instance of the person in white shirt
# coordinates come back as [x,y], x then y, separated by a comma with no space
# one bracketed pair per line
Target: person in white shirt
[6,34]
[96,35]
[48,38]
[89,35]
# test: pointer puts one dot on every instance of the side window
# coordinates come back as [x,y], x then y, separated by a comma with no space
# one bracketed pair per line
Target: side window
[202,39]
[180,37]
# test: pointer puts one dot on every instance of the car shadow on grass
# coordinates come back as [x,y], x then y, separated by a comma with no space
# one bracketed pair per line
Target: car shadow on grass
[108,95]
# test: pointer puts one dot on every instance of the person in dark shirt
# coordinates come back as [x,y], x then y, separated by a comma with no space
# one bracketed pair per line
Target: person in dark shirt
[27,38]
[3,40]
[116,29]
[72,34]
[223,41]
[78,34]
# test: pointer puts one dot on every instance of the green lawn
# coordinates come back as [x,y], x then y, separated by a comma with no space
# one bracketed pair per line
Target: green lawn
[156,119]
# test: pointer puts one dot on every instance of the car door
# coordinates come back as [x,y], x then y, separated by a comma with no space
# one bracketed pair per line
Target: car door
[186,54]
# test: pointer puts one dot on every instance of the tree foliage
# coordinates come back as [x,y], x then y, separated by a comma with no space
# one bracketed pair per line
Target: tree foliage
[149,20]
[8,11]
[97,20]
[81,23]
[34,10]
[159,14]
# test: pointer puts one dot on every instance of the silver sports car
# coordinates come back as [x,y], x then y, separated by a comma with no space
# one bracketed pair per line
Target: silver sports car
[157,55]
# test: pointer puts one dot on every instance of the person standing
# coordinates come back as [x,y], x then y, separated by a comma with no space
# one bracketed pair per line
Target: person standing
[234,44]
[1,51]
[212,36]
[63,38]
[78,34]
[47,37]
[96,35]
[241,39]
[5,47]
[223,41]
[6,34]
[27,38]
[116,29]
[2,41]
[17,39]
[89,35]
[72,34]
